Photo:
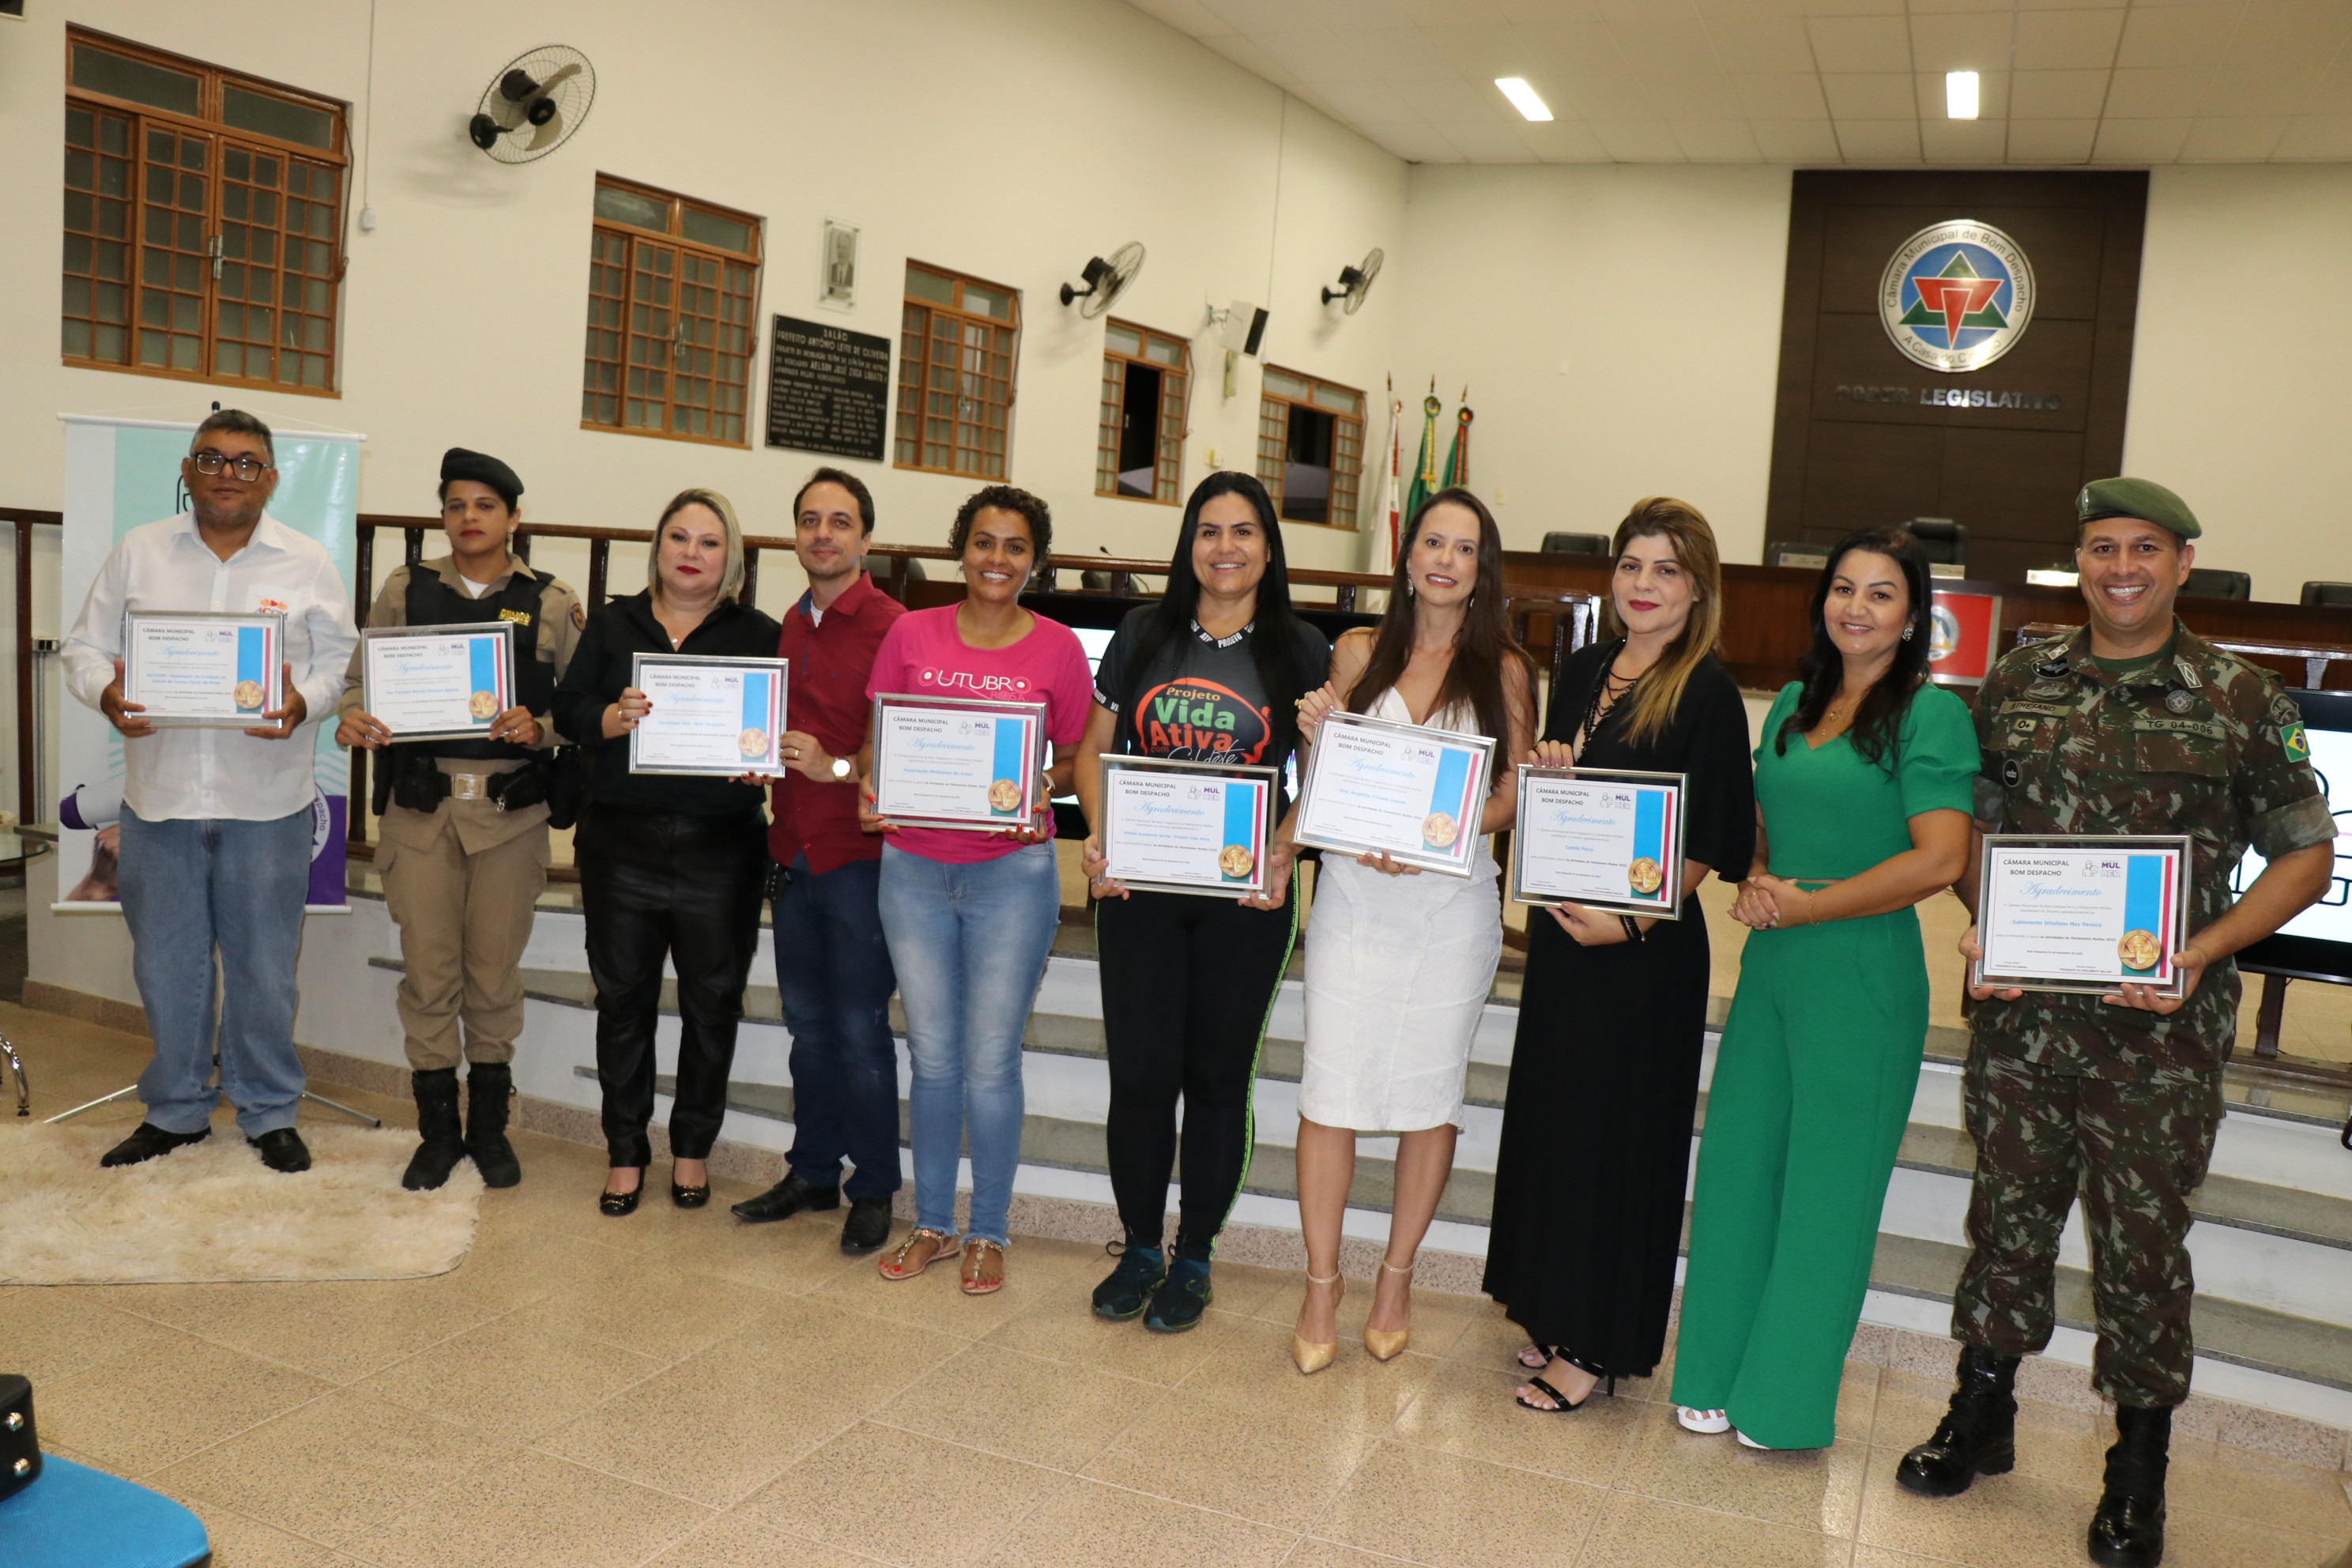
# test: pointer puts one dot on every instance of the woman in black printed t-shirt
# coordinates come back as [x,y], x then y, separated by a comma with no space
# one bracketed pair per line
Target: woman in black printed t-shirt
[1214,673]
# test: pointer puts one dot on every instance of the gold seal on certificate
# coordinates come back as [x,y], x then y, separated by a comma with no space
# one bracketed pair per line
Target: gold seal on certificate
[1373,786]
[1601,837]
[959,763]
[202,667]
[437,683]
[709,716]
[1172,827]
[2081,913]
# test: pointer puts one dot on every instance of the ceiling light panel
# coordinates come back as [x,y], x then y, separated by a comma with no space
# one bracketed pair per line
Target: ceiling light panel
[1960,95]
[1523,97]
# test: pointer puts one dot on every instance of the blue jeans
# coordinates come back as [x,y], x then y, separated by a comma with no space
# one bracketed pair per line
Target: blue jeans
[969,945]
[190,886]
[832,970]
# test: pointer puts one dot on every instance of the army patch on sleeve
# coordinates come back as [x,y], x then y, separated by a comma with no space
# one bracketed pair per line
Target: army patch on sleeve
[2298,749]
[579,617]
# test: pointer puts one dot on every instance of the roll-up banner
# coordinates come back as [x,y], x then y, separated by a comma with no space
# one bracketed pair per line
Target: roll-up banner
[120,475]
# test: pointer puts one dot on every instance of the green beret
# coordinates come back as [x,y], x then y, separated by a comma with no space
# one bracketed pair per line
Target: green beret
[457,463]
[2143,499]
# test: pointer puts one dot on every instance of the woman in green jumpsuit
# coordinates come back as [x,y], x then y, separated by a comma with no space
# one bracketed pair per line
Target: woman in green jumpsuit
[1862,787]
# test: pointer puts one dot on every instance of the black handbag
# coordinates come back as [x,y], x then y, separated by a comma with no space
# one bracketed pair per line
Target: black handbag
[567,785]
[20,1445]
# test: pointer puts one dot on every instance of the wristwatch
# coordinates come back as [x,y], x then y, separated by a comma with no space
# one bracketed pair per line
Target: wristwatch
[842,768]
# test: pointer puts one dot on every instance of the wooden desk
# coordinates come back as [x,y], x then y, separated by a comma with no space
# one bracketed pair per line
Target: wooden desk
[1767,615]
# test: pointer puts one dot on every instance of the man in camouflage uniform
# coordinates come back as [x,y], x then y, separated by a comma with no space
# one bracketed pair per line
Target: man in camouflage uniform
[2130,725]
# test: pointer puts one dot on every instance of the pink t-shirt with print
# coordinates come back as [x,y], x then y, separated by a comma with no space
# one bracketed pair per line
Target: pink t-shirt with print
[922,656]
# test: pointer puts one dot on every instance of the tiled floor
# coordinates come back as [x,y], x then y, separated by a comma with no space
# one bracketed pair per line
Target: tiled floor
[677,1390]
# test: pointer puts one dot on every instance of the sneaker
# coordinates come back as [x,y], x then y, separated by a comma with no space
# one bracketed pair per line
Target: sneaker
[1178,1304]
[1133,1280]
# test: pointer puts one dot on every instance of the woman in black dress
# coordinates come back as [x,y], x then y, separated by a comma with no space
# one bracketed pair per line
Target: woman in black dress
[1596,1138]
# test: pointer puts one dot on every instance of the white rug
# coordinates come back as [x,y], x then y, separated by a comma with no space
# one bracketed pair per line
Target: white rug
[212,1211]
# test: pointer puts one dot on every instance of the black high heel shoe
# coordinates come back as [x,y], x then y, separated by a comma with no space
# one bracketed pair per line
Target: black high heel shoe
[1606,1382]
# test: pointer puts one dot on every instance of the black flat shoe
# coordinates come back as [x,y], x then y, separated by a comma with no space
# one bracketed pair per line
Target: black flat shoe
[618,1204]
[689,1197]
[146,1142]
[282,1149]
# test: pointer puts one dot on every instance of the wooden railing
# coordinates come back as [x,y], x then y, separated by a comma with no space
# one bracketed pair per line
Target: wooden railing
[28,749]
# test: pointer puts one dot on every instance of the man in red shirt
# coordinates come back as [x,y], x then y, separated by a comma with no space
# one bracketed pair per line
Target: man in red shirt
[833,967]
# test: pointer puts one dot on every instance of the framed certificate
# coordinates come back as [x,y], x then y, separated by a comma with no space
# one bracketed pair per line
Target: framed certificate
[1601,837]
[960,763]
[709,716]
[1173,826]
[2076,913]
[1373,784]
[437,683]
[202,667]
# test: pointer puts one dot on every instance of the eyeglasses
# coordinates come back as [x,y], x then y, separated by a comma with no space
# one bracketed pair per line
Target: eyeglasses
[246,468]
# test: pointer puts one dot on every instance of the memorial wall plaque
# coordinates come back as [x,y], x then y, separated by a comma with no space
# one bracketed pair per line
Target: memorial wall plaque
[828,389]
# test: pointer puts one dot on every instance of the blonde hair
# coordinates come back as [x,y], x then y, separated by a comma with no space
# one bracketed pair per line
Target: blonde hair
[1650,707]
[730,583]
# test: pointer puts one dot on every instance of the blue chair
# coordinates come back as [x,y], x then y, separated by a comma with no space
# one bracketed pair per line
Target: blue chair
[75,1517]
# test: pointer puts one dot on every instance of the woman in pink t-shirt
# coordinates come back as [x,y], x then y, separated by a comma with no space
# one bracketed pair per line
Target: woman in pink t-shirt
[969,916]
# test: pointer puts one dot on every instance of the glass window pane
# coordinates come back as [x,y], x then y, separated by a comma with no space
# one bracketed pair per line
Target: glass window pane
[1160,351]
[1282,384]
[249,111]
[192,152]
[237,164]
[1339,398]
[119,76]
[114,136]
[81,170]
[77,339]
[930,286]
[987,301]
[1123,340]
[617,205]
[81,127]
[725,232]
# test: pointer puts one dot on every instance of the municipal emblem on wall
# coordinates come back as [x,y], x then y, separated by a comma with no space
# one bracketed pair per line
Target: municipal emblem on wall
[1957,296]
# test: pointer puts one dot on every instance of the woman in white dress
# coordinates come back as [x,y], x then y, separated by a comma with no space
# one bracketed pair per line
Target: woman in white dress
[1398,964]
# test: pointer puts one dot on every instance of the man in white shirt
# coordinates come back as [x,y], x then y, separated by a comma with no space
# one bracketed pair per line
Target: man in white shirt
[216,824]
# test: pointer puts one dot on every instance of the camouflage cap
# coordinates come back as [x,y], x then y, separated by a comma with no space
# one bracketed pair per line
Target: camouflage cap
[2143,499]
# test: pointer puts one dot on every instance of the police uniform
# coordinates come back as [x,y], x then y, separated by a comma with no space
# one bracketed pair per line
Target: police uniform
[462,873]
[2063,1088]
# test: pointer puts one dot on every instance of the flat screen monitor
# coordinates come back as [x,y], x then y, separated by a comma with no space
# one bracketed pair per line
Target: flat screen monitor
[2317,943]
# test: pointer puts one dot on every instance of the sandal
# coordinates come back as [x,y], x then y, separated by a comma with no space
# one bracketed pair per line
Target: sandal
[1603,1382]
[901,1261]
[1706,1422]
[1535,1358]
[984,1267]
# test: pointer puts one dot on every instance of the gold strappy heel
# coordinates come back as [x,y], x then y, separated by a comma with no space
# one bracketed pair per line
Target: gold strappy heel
[1387,1344]
[1311,1357]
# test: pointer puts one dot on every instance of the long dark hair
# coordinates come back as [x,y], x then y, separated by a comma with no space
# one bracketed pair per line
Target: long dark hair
[1485,642]
[1878,721]
[1274,642]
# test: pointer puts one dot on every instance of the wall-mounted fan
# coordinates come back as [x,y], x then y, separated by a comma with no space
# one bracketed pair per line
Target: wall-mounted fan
[1355,282]
[1104,281]
[534,105]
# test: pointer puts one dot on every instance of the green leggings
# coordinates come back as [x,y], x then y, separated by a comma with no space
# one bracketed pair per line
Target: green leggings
[1812,1087]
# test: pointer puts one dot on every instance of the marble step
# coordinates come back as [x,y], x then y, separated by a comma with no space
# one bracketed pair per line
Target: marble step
[2290,1212]
[2234,1331]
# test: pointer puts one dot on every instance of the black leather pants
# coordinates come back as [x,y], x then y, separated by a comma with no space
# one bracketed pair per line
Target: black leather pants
[687,888]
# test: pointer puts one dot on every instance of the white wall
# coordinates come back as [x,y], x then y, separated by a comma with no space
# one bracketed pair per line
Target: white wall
[1619,329]
[1012,140]
[2241,367]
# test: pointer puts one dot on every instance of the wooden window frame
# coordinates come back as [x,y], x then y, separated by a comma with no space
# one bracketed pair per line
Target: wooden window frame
[1174,410]
[1273,449]
[910,413]
[322,298]
[622,322]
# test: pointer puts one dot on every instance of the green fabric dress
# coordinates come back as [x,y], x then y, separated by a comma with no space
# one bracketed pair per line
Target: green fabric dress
[1812,1085]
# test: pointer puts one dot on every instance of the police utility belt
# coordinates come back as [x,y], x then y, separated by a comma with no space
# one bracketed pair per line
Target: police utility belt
[417,782]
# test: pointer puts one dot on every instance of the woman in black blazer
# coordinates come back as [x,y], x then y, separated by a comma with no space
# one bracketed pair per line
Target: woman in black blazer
[669,866]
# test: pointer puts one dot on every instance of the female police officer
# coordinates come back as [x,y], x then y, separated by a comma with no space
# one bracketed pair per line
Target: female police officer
[464,849]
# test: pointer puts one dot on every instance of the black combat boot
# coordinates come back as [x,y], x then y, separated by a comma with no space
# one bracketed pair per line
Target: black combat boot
[1978,1436]
[437,1123]
[2127,1532]
[490,1086]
